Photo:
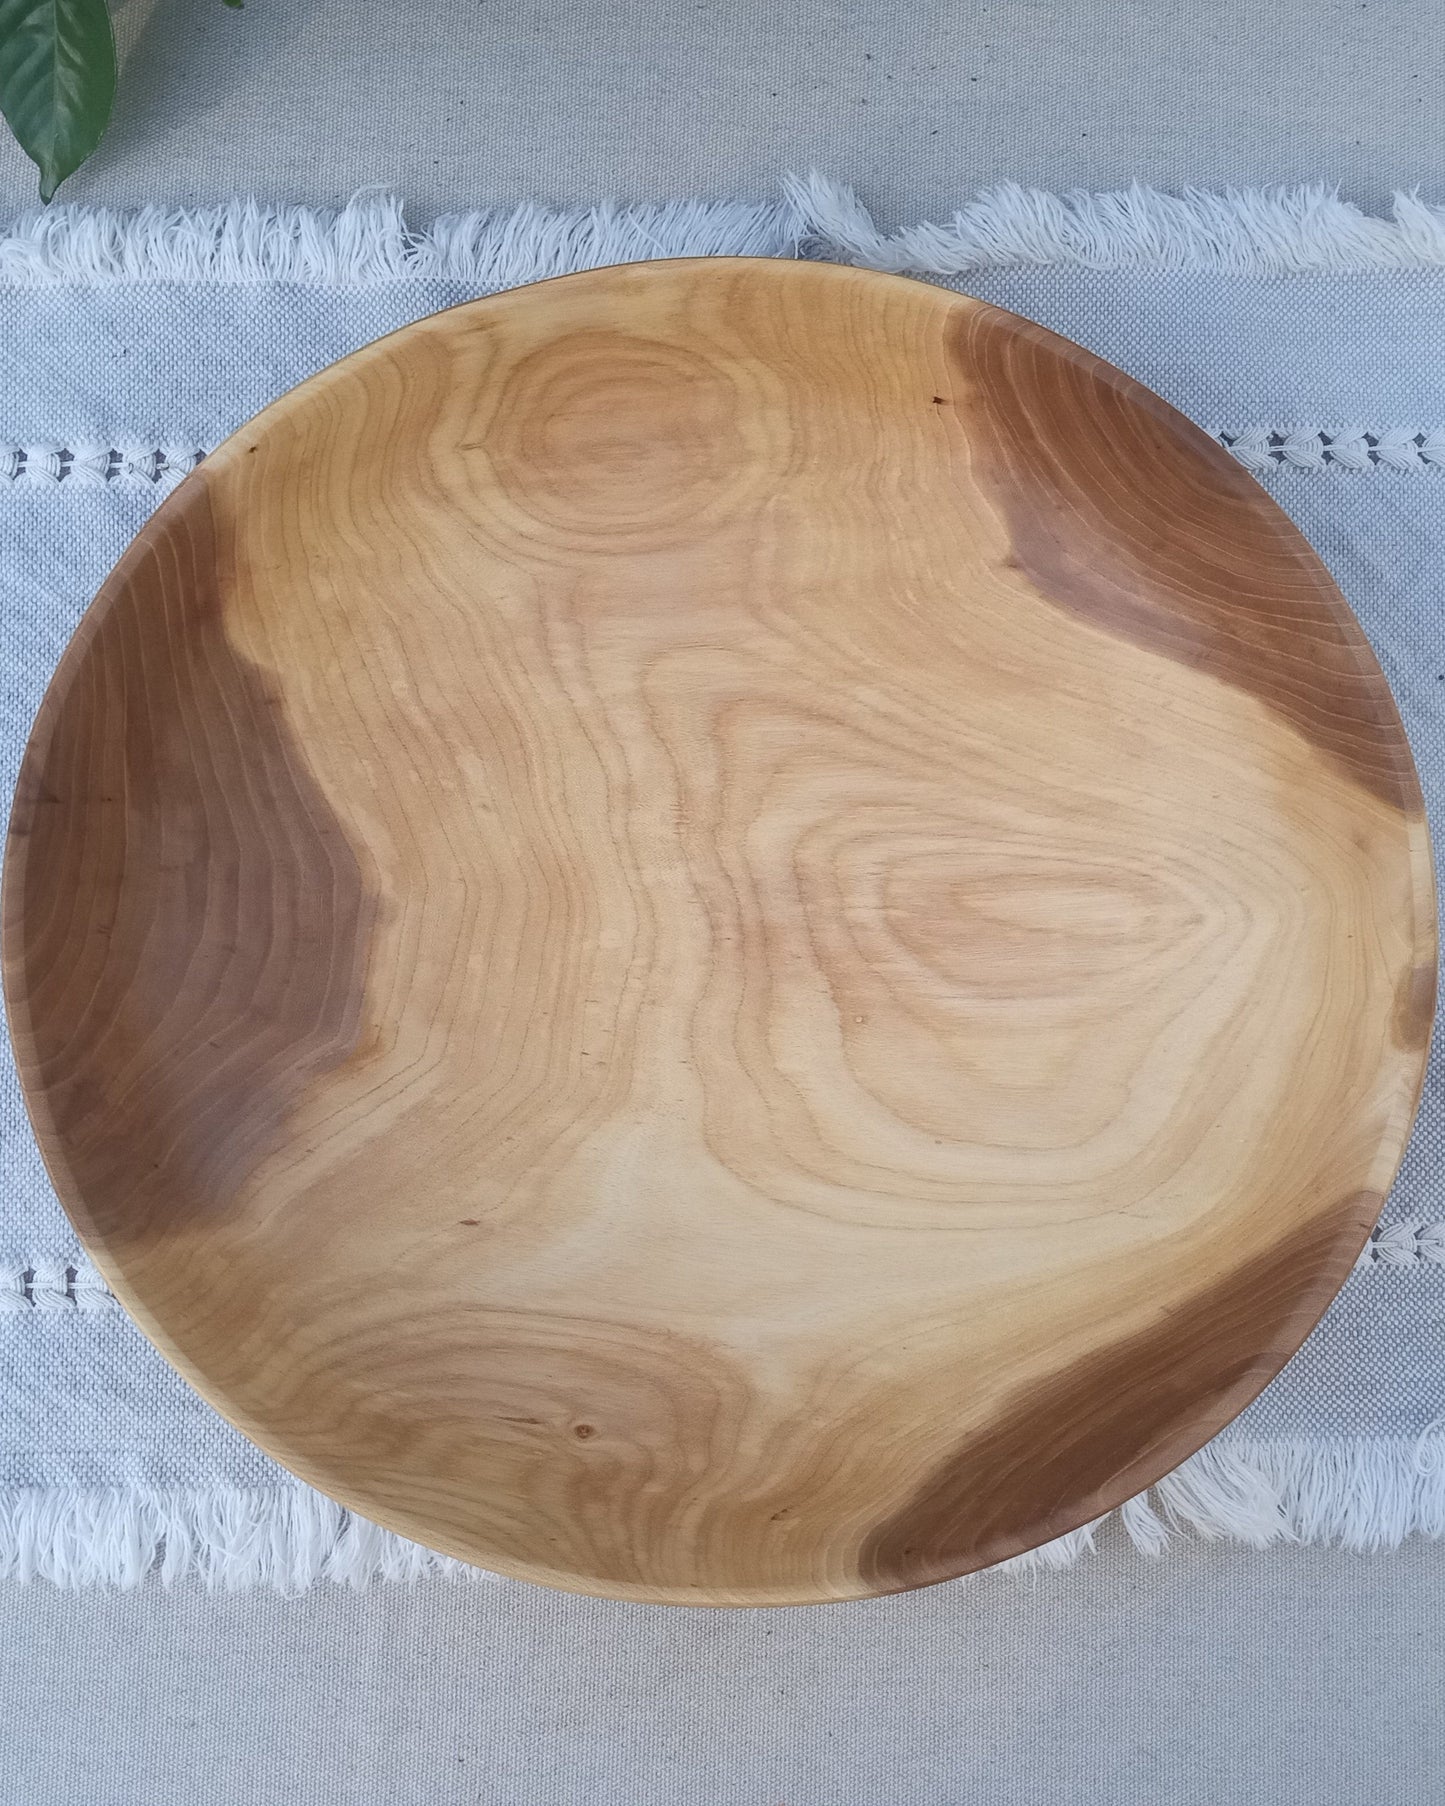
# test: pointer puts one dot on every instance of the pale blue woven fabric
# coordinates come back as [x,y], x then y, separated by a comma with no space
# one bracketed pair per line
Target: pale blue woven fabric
[162,370]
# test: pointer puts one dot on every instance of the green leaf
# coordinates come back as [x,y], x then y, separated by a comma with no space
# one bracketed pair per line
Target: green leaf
[57,81]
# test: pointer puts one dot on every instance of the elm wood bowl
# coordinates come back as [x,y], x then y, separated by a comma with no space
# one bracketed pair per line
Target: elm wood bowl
[724,932]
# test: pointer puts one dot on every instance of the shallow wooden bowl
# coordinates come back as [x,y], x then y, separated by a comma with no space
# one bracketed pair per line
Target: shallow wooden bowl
[725,932]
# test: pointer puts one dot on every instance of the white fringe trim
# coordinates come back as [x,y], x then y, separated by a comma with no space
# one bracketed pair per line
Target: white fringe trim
[287,1538]
[369,242]
[1253,231]
[1256,231]
[1360,1495]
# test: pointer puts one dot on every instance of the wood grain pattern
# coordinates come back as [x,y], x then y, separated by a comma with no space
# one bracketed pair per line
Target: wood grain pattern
[722,932]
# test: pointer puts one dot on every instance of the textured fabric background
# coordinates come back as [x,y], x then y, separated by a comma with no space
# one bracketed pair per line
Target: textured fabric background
[917,101]
[1296,1677]
[1223,1678]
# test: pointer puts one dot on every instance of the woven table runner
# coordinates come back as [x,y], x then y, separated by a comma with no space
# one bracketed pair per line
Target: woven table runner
[1305,336]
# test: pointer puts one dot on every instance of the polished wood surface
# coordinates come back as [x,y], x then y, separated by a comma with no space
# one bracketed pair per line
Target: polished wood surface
[725,932]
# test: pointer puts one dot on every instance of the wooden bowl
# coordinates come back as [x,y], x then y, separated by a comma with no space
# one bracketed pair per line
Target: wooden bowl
[726,932]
